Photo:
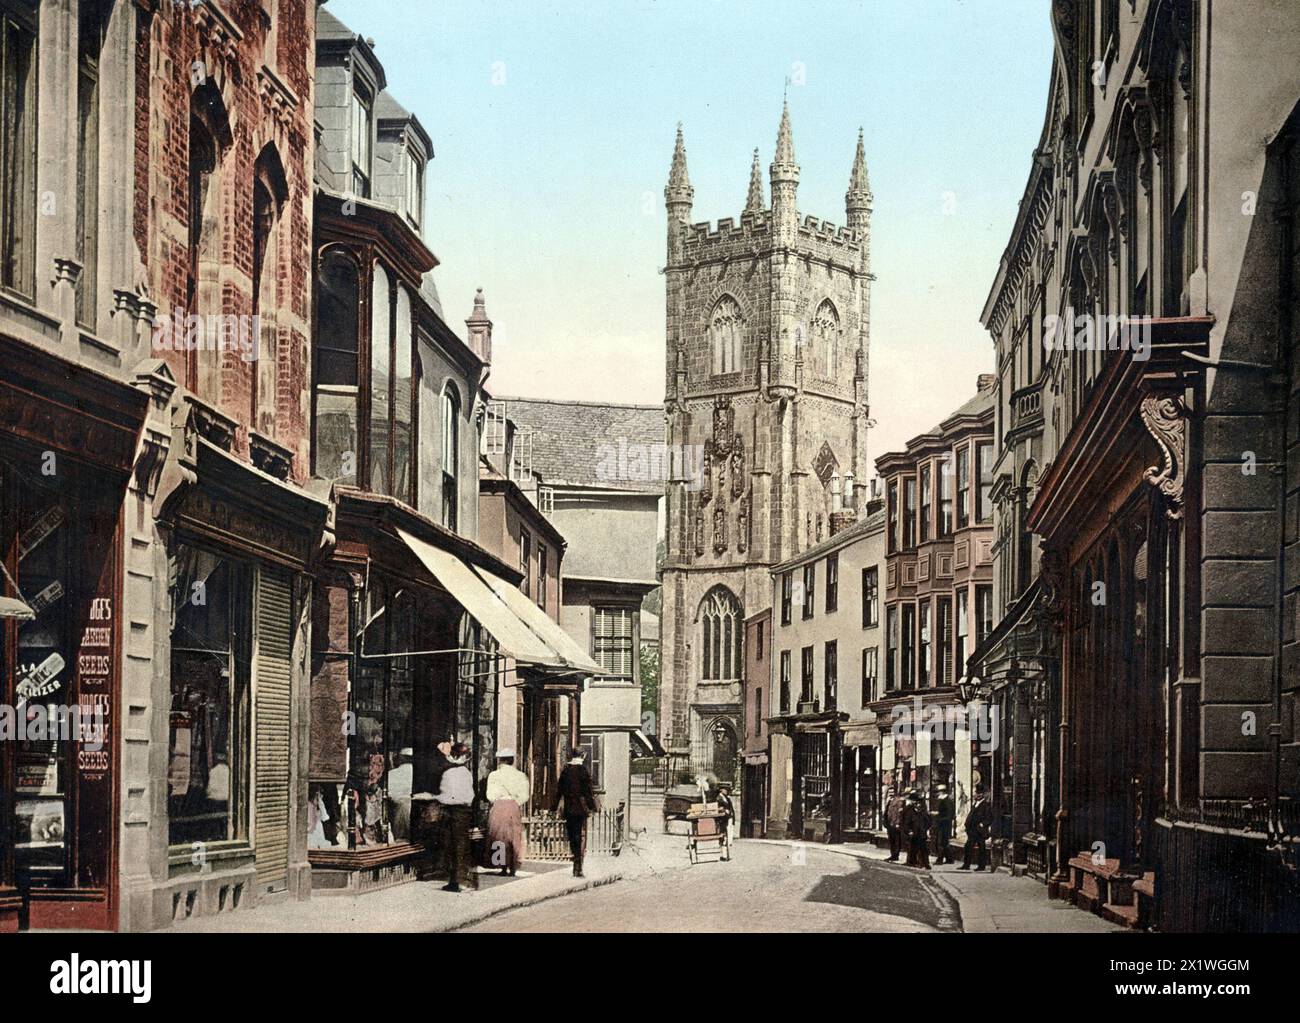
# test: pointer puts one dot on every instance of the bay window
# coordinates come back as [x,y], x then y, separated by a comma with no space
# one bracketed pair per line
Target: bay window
[909,513]
[892,538]
[362,129]
[945,498]
[891,648]
[963,487]
[963,631]
[983,505]
[924,665]
[908,646]
[336,348]
[926,497]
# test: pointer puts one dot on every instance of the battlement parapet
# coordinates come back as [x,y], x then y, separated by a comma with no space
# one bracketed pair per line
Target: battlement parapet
[728,238]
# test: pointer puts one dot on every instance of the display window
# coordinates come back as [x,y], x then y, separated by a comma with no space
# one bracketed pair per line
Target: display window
[377,795]
[59,551]
[212,628]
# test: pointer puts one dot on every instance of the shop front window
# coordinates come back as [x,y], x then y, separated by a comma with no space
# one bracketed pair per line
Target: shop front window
[37,550]
[478,681]
[211,641]
[378,792]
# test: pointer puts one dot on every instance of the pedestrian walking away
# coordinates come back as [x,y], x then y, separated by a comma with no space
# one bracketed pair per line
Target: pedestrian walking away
[456,796]
[508,792]
[575,792]
[978,822]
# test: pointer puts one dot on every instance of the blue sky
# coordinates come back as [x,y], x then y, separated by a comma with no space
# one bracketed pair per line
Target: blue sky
[553,128]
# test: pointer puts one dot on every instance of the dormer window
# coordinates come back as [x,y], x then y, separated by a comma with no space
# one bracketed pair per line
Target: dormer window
[414,188]
[362,128]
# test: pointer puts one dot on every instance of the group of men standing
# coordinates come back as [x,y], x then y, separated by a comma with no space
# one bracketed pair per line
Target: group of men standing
[909,824]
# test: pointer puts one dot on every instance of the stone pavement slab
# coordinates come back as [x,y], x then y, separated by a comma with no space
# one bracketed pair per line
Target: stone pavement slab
[422,907]
[993,901]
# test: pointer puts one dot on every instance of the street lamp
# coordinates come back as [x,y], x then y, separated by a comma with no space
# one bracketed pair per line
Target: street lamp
[967,688]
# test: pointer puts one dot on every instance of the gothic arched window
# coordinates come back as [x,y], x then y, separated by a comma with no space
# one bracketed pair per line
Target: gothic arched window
[726,331]
[826,340]
[720,628]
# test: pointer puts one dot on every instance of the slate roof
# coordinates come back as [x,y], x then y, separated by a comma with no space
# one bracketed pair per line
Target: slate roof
[578,443]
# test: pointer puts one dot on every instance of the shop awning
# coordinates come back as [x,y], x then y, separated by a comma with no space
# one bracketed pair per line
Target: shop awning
[522,634]
[537,620]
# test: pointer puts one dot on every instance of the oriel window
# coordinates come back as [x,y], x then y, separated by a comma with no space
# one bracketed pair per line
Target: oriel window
[963,486]
[925,503]
[362,130]
[335,351]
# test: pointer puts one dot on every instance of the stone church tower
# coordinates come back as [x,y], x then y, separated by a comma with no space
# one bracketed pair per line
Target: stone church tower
[766,398]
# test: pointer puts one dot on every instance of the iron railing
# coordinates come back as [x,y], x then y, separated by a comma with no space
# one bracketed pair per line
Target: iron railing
[547,838]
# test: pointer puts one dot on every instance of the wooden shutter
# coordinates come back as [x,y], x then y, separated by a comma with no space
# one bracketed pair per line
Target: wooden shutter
[271,692]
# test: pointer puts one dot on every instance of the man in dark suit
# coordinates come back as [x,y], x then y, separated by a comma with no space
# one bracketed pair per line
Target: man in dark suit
[916,827]
[978,823]
[944,813]
[575,791]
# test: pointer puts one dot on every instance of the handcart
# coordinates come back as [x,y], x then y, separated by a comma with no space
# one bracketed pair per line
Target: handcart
[708,832]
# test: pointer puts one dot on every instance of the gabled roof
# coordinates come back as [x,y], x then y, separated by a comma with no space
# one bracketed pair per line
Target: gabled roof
[582,443]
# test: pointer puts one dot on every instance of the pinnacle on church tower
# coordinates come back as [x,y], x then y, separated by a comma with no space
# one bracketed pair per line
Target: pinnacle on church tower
[784,142]
[754,201]
[679,191]
[857,201]
[785,181]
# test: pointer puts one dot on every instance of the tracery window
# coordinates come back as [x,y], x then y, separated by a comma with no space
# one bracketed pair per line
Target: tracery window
[720,628]
[726,331]
[826,340]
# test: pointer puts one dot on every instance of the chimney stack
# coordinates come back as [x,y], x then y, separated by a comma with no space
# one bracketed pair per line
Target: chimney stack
[480,329]
[986,382]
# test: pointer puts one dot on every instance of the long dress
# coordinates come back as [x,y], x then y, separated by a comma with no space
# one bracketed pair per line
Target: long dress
[505,832]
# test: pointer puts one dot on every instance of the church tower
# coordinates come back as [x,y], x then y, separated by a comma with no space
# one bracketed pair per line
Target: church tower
[768,321]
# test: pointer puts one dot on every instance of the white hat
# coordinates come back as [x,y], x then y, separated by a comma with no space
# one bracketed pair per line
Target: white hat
[502,754]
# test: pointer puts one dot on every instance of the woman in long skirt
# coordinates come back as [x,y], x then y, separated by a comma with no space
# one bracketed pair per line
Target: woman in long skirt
[507,791]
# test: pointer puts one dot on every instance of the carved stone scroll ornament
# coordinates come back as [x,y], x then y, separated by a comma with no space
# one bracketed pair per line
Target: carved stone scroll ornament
[1166,421]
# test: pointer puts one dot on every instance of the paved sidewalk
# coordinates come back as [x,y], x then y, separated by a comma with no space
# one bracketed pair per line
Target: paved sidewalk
[422,907]
[993,901]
